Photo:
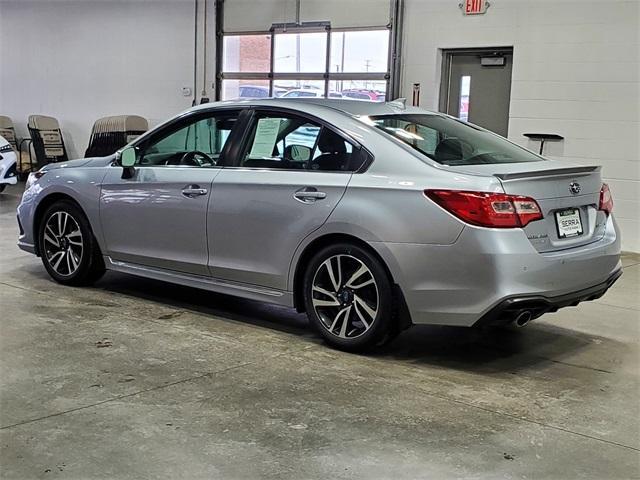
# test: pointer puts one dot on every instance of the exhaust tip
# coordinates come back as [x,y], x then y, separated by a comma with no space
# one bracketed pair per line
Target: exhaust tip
[523,318]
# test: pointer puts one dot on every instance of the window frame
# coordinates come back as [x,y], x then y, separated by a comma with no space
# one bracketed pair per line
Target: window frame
[325,76]
[183,121]
[242,146]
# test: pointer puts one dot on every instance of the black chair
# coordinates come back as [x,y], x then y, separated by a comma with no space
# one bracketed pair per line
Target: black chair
[112,133]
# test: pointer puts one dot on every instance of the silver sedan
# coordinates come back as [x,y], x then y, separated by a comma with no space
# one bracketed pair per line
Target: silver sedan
[370,217]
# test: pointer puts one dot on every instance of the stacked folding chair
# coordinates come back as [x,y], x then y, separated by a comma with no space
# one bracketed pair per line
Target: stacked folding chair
[112,133]
[46,140]
[8,132]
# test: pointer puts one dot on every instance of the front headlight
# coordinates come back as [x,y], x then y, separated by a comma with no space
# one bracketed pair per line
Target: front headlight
[6,148]
[33,178]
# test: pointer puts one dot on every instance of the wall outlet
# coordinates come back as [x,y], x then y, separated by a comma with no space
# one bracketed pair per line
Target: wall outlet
[186,91]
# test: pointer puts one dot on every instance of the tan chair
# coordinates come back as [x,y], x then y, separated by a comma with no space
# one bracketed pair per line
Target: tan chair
[112,133]
[47,141]
[8,132]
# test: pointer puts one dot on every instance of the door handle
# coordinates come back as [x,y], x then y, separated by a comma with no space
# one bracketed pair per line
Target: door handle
[309,195]
[192,191]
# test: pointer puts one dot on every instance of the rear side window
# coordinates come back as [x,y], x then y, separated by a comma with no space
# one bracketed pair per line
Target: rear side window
[294,143]
[451,142]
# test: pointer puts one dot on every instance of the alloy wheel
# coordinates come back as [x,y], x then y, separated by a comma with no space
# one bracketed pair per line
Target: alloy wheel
[63,246]
[345,296]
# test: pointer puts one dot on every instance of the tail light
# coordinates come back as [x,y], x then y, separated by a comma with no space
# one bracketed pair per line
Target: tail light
[486,209]
[606,200]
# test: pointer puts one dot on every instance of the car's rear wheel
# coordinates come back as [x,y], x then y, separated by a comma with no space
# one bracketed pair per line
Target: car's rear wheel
[68,248]
[348,297]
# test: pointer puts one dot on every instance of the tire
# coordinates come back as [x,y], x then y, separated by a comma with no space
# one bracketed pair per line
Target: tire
[2,187]
[68,248]
[354,309]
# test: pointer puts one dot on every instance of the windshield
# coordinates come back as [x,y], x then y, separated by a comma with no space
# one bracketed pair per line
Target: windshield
[451,142]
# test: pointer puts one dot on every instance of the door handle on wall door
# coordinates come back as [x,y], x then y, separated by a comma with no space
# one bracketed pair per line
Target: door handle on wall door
[193,191]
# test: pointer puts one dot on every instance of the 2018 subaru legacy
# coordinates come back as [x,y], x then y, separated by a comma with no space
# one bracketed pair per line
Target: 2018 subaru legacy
[368,216]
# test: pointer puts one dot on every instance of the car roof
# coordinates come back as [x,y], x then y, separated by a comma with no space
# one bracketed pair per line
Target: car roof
[310,104]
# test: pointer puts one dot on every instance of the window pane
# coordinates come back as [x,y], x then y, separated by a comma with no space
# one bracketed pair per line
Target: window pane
[246,53]
[234,89]
[300,52]
[285,142]
[371,90]
[294,143]
[298,88]
[360,51]
[208,136]
[451,142]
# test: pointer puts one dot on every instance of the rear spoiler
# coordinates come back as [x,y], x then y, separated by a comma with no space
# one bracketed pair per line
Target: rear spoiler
[570,171]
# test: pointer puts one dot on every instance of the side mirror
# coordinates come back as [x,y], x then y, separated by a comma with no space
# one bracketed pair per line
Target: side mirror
[128,159]
[298,153]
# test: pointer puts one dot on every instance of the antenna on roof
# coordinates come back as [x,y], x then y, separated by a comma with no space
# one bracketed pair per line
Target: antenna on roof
[398,103]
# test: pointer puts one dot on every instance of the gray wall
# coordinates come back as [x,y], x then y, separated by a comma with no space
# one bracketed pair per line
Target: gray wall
[80,60]
[575,73]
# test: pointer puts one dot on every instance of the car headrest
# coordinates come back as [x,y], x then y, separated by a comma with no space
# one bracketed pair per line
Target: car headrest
[449,149]
[330,142]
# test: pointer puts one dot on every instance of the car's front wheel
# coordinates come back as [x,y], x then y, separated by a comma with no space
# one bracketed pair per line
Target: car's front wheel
[348,297]
[68,248]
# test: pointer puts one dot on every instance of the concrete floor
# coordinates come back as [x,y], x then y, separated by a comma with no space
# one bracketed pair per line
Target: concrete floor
[139,379]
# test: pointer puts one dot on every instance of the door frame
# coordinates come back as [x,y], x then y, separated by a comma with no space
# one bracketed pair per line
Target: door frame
[445,70]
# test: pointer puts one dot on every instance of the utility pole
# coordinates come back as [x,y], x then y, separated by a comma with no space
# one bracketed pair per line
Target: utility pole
[342,61]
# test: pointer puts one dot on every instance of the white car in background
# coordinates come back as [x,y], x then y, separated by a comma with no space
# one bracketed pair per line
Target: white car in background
[8,160]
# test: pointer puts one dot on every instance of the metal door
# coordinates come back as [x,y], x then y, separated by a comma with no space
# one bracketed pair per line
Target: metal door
[476,87]
[260,211]
[158,218]
[257,219]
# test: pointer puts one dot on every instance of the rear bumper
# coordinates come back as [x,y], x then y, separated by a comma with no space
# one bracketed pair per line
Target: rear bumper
[460,284]
[507,310]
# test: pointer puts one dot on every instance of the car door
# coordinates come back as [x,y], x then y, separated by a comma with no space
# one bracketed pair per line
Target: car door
[283,185]
[156,215]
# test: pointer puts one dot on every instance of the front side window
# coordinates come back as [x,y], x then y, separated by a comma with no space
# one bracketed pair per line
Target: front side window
[451,142]
[295,143]
[197,144]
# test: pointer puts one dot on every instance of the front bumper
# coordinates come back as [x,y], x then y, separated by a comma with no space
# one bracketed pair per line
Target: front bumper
[459,284]
[8,174]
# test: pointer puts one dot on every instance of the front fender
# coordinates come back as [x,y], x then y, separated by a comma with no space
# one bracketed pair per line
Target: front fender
[82,185]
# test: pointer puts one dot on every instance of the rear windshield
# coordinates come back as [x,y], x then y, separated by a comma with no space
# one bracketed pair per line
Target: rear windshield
[451,142]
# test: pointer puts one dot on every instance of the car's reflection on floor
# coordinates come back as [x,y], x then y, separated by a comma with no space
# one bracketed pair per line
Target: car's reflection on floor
[479,350]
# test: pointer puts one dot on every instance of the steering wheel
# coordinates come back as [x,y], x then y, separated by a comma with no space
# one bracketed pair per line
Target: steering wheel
[197,158]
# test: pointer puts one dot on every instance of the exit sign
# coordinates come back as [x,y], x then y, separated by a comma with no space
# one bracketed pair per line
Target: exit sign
[474,7]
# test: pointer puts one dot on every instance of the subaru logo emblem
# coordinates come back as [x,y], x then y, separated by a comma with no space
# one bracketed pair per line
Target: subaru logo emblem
[574,188]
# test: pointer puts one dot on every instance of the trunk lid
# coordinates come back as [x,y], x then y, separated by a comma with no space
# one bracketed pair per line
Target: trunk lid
[565,193]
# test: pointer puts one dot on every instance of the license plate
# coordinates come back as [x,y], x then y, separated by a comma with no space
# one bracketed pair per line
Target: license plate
[569,223]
